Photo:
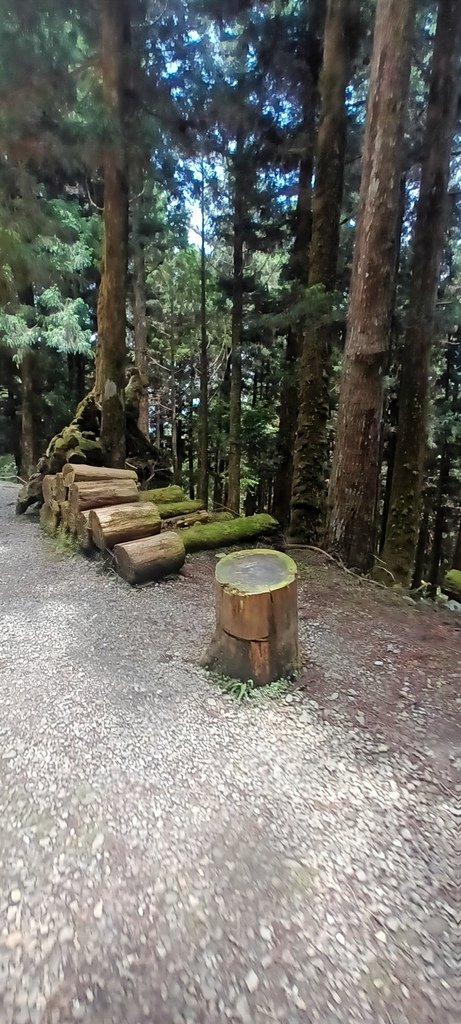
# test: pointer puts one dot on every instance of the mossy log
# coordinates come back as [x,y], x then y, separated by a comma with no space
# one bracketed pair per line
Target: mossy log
[49,520]
[120,523]
[183,522]
[256,617]
[221,534]
[82,531]
[222,517]
[88,474]
[171,509]
[452,583]
[100,493]
[160,495]
[151,558]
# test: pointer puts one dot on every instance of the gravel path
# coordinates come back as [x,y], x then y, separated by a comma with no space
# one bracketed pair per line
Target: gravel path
[170,856]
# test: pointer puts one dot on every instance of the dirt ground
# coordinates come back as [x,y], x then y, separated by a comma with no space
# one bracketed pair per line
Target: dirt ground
[168,855]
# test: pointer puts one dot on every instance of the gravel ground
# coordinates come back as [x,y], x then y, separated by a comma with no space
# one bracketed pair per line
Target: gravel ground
[170,856]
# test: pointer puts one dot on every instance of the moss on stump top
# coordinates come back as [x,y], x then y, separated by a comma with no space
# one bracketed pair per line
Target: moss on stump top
[258,571]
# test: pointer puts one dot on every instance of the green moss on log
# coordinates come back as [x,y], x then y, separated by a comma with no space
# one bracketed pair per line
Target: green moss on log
[169,509]
[453,580]
[162,495]
[222,517]
[219,535]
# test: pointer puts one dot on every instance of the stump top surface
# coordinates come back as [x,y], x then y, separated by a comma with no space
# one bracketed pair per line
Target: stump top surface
[257,571]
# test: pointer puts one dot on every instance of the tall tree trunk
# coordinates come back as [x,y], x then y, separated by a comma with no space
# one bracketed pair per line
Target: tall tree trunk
[30,412]
[354,478]
[405,505]
[390,458]
[311,445]
[235,402]
[30,400]
[420,559]
[174,419]
[439,521]
[190,431]
[139,312]
[203,407]
[299,271]
[115,38]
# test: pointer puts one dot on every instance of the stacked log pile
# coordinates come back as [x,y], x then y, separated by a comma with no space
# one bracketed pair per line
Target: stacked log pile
[148,533]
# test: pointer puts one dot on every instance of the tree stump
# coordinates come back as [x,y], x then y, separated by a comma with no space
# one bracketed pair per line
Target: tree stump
[256,617]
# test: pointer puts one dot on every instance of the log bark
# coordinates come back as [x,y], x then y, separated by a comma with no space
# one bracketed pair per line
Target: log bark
[60,488]
[221,534]
[49,489]
[140,561]
[181,522]
[83,531]
[66,516]
[79,474]
[171,509]
[120,523]
[49,519]
[100,493]
[160,495]
[355,469]
[256,634]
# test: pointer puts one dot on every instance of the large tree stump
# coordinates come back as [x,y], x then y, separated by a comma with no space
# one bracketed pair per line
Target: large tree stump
[140,561]
[256,617]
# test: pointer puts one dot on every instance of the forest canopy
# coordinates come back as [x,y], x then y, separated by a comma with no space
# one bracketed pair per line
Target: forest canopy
[252,211]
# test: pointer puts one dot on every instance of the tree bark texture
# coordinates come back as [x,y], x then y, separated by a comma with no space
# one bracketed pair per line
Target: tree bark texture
[439,519]
[235,401]
[431,216]
[456,561]
[203,475]
[30,412]
[311,445]
[115,33]
[354,478]
[140,314]
[299,271]
[256,635]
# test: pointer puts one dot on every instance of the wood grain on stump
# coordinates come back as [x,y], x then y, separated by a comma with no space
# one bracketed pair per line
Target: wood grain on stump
[256,617]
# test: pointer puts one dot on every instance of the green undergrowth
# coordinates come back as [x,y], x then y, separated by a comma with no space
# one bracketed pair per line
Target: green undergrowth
[248,691]
[64,543]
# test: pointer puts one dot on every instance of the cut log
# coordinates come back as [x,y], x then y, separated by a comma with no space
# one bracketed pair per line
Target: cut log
[60,488]
[65,516]
[49,520]
[120,523]
[256,634]
[141,561]
[171,509]
[73,474]
[49,488]
[221,534]
[182,522]
[83,532]
[161,494]
[100,493]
